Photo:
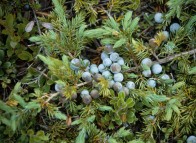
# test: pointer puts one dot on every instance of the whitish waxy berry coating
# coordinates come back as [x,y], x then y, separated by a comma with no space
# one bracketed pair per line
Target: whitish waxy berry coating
[104,55]
[151,117]
[87,99]
[86,62]
[125,90]
[94,70]
[111,83]
[94,94]
[151,83]
[114,57]
[106,74]
[191,139]
[93,65]
[165,76]
[158,17]
[117,86]
[109,49]
[115,68]
[157,68]
[174,27]
[118,77]
[121,61]
[101,68]
[97,77]
[58,87]
[47,25]
[75,64]
[130,85]
[166,34]
[147,73]
[84,93]
[86,76]
[147,61]
[107,62]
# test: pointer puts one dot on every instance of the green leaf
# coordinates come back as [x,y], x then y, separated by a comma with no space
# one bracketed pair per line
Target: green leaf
[127,20]
[178,85]
[176,109]
[119,43]
[105,108]
[26,56]
[20,100]
[5,107]
[168,114]
[60,115]
[192,71]
[33,105]
[91,119]
[81,137]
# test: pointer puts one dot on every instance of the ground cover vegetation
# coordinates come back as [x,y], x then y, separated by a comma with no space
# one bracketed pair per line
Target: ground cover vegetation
[97,71]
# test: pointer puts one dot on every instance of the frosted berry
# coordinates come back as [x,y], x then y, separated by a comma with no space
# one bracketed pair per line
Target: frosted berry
[125,90]
[101,68]
[111,83]
[84,92]
[94,94]
[147,61]
[93,65]
[94,70]
[47,25]
[104,55]
[107,62]
[158,17]
[118,77]
[58,87]
[121,61]
[191,139]
[174,27]
[87,99]
[74,96]
[86,62]
[114,57]
[157,68]
[151,117]
[27,7]
[165,76]
[107,74]
[151,83]
[75,64]
[130,85]
[86,76]
[166,34]
[97,77]
[109,49]
[117,86]
[115,68]
[147,73]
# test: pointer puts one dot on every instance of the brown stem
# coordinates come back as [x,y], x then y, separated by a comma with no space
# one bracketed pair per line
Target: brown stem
[52,96]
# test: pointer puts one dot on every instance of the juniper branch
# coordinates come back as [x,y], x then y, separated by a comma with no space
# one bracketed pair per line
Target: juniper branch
[167,59]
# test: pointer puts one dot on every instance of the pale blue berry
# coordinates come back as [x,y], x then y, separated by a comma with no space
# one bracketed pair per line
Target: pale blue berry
[94,70]
[147,61]
[86,76]
[94,94]
[107,62]
[97,77]
[147,73]
[151,117]
[117,86]
[58,87]
[109,49]
[84,92]
[157,68]
[151,83]
[191,139]
[114,57]
[125,90]
[165,77]
[86,62]
[106,74]
[166,34]
[111,83]
[104,55]
[101,68]
[115,68]
[130,85]
[158,17]
[118,77]
[121,61]
[87,99]
[93,65]
[174,27]
[75,64]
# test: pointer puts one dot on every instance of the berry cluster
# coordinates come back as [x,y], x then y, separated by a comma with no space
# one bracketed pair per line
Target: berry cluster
[149,69]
